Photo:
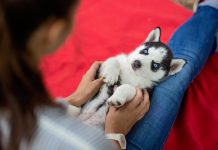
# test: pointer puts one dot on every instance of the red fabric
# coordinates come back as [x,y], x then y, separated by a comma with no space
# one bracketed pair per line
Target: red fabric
[104,28]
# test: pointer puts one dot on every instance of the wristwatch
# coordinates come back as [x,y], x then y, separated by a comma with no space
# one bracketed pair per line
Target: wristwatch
[120,138]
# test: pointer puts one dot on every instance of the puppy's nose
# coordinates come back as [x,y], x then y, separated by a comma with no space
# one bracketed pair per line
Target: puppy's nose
[136,64]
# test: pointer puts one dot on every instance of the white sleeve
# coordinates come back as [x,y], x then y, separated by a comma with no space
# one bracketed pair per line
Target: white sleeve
[56,130]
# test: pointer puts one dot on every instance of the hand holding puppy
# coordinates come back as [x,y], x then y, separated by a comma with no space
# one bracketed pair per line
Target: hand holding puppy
[87,88]
[121,120]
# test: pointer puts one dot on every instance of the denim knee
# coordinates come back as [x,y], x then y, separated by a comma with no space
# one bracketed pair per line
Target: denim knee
[194,53]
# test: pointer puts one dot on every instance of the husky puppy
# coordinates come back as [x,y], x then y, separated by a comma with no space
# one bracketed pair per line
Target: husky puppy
[145,67]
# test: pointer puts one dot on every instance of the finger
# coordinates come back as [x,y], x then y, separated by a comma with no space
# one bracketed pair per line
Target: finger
[97,83]
[95,86]
[146,96]
[138,98]
[91,73]
[145,105]
[141,117]
[112,109]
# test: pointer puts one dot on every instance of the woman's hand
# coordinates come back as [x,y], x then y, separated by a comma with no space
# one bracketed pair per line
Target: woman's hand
[121,120]
[87,88]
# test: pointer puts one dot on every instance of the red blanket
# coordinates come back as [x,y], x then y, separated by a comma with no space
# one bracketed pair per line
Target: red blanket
[104,28]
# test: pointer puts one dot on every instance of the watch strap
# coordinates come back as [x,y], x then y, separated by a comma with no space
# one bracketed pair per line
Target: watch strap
[120,138]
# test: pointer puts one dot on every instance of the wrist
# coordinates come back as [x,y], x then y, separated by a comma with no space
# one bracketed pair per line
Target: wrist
[111,130]
[75,100]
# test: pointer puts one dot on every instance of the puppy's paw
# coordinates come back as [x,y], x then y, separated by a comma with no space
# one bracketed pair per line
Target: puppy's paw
[122,94]
[110,79]
[110,73]
[116,101]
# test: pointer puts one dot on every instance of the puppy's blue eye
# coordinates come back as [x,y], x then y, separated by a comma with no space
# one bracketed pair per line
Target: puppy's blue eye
[144,51]
[154,66]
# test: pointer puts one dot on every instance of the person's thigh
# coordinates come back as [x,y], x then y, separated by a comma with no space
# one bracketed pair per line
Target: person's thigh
[193,41]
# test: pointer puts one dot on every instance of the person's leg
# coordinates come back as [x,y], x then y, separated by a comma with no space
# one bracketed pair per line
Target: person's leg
[193,41]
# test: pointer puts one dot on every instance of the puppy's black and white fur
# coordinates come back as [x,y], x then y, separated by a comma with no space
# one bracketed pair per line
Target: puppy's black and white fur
[145,67]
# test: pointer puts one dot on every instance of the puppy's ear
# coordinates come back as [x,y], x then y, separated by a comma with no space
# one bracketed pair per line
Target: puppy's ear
[176,66]
[154,35]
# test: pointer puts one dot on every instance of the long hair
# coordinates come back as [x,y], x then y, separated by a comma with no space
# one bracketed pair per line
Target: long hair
[21,87]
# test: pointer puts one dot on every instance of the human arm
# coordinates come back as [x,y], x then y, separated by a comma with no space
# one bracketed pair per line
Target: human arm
[121,120]
[87,88]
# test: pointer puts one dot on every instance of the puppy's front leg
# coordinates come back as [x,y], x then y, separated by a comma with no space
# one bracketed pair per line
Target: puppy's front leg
[122,94]
[110,70]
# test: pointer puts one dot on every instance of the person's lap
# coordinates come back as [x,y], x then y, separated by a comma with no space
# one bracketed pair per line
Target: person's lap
[193,41]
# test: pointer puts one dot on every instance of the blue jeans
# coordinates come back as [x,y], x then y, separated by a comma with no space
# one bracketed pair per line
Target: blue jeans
[193,41]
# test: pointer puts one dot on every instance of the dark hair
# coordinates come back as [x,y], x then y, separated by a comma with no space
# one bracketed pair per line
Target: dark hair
[21,87]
